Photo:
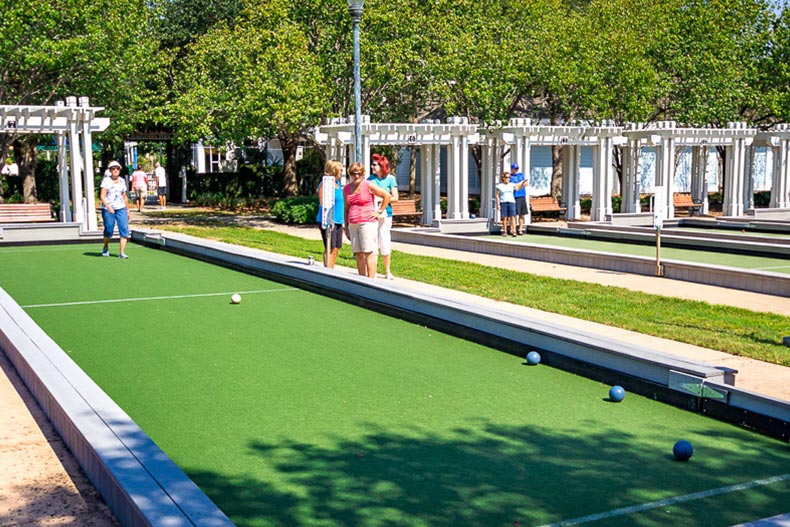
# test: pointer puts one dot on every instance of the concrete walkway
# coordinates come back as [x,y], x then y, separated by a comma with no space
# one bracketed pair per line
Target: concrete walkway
[42,484]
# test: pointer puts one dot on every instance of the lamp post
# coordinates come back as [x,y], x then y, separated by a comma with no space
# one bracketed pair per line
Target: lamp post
[355,10]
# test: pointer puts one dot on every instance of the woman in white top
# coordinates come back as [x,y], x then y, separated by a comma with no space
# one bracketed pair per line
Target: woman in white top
[115,208]
[506,202]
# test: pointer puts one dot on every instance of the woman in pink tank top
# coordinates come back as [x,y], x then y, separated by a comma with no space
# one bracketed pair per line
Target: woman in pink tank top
[362,217]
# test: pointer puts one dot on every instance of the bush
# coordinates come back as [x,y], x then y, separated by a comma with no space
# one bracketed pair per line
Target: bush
[296,210]
[762,198]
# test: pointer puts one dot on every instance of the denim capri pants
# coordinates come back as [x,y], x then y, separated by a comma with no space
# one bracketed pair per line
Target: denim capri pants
[120,216]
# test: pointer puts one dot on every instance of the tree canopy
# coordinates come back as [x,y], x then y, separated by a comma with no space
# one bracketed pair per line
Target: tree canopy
[228,70]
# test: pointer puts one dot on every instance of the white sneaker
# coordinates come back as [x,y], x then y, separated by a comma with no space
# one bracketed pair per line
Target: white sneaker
[105,252]
[390,276]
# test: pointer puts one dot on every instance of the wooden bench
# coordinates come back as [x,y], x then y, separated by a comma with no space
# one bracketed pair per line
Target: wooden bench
[545,204]
[684,201]
[25,212]
[405,208]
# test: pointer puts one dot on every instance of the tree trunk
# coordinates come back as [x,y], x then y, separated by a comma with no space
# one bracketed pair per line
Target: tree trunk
[721,151]
[556,172]
[289,145]
[25,152]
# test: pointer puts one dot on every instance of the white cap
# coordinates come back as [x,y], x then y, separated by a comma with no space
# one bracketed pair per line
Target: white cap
[114,164]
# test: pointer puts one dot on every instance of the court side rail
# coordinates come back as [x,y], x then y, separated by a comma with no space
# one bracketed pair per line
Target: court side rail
[138,481]
[765,282]
[694,385]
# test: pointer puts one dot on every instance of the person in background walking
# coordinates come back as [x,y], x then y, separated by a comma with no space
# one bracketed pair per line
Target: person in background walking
[140,186]
[335,230]
[114,208]
[361,218]
[381,177]
[161,184]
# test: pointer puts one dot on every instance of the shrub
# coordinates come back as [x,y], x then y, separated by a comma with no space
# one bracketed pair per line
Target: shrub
[300,210]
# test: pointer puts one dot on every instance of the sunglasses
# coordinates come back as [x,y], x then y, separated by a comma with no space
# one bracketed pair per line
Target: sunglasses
[355,173]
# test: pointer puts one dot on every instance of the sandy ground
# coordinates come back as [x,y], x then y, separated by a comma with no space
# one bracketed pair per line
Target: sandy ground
[42,485]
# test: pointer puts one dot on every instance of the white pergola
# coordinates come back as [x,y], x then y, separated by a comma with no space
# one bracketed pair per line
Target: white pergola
[73,122]
[736,139]
[520,135]
[778,140]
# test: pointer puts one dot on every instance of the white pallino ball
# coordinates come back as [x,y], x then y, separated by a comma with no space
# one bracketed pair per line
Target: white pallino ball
[235,298]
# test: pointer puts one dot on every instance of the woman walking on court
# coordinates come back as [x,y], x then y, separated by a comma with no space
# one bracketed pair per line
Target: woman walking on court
[361,218]
[334,231]
[114,208]
[381,177]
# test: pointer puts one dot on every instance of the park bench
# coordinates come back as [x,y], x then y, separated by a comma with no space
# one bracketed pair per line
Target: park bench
[25,212]
[684,202]
[405,208]
[544,204]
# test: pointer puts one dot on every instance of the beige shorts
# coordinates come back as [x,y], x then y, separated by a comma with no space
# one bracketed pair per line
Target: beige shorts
[140,192]
[364,236]
[385,240]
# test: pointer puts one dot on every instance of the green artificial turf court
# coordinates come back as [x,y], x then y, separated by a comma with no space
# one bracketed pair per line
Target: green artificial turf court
[294,409]
[743,261]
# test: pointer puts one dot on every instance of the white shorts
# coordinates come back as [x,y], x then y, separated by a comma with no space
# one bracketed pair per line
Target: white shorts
[363,236]
[385,240]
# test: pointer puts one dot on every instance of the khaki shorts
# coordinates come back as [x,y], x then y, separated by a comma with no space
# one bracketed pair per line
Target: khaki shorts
[385,240]
[364,236]
[140,192]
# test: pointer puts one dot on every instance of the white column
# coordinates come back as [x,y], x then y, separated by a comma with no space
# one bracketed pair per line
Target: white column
[699,175]
[436,176]
[748,178]
[87,174]
[570,181]
[485,183]
[734,173]
[463,178]
[63,177]
[665,173]
[780,188]
[524,162]
[453,178]
[77,194]
[426,184]
[632,154]
[602,179]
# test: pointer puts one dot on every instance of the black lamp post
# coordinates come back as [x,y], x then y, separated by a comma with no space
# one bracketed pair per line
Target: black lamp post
[355,9]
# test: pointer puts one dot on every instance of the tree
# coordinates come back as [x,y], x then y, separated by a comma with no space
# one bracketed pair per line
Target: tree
[51,50]
[255,79]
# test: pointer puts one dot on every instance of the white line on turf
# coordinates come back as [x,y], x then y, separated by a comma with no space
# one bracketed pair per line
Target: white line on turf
[172,297]
[669,501]
[772,267]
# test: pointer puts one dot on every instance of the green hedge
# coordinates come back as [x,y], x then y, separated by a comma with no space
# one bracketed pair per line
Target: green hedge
[300,210]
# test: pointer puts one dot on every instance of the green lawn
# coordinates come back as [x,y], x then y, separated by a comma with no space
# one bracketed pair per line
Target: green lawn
[728,329]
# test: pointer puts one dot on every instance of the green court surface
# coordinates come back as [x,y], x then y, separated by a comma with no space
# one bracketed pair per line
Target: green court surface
[294,409]
[742,261]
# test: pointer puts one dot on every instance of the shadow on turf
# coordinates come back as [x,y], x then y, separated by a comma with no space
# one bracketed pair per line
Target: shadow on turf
[488,475]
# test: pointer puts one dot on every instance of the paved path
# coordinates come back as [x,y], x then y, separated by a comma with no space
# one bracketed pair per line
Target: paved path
[42,484]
